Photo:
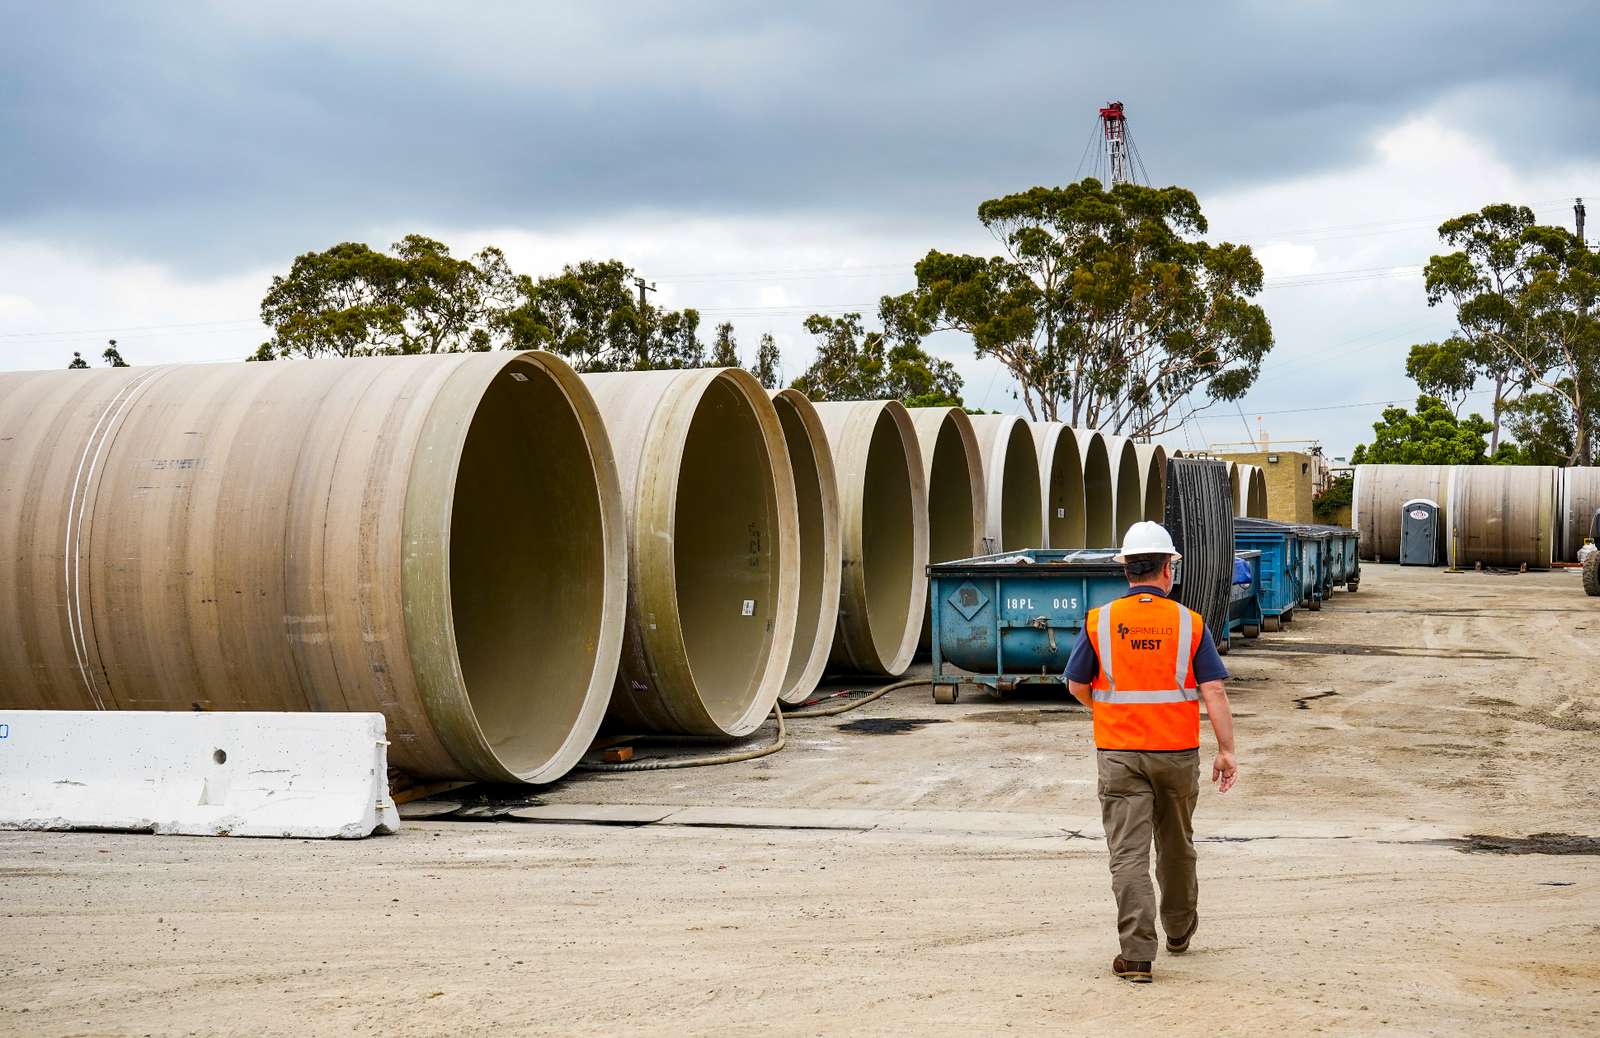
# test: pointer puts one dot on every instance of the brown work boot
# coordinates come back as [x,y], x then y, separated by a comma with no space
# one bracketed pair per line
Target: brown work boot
[1179,945]
[1133,972]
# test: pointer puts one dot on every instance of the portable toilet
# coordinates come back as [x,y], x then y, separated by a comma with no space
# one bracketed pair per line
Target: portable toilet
[1421,532]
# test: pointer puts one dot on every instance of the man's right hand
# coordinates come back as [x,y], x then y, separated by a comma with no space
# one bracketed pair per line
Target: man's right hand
[1224,770]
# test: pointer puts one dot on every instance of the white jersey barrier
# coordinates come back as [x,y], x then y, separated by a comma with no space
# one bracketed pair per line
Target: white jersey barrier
[304,775]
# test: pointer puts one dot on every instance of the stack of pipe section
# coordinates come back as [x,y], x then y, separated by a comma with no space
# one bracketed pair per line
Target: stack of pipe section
[1014,510]
[1061,485]
[1501,515]
[1153,474]
[713,549]
[883,516]
[441,539]
[952,469]
[1580,499]
[1199,515]
[817,503]
[1099,492]
[1376,498]
[1128,487]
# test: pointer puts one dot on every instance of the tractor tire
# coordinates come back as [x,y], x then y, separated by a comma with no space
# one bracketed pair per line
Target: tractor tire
[1591,575]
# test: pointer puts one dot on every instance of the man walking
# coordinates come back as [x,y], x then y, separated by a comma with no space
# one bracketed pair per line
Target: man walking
[1141,665]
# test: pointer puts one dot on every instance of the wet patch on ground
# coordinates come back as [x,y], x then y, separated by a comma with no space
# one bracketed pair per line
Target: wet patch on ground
[889,725]
[1403,651]
[1537,843]
[1304,702]
[1030,717]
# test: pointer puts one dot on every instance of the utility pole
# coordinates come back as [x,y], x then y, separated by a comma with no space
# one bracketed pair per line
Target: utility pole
[644,324]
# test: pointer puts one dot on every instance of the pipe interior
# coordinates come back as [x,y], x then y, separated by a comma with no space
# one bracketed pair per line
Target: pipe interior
[1066,496]
[1098,518]
[724,546]
[1021,510]
[1130,494]
[526,595]
[813,547]
[950,519]
[888,525]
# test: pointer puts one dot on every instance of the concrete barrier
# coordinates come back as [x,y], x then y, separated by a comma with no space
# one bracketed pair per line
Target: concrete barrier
[305,775]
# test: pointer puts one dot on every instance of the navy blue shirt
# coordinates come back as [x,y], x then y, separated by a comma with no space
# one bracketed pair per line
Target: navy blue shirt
[1083,666]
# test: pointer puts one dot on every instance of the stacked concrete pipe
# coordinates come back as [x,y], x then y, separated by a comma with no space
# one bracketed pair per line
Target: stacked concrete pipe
[817,500]
[1379,492]
[1015,508]
[1502,515]
[1128,493]
[1580,498]
[1061,484]
[883,520]
[437,538]
[1256,501]
[952,469]
[1153,475]
[1235,485]
[1099,492]
[714,549]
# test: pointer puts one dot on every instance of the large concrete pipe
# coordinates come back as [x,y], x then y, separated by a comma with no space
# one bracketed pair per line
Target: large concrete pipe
[1256,500]
[1015,508]
[1153,476]
[1502,515]
[1099,493]
[1376,497]
[714,548]
[952,470]
[1061,483]
[883,517]
[437,538]
[1580,499]
[1128,495]
[817,501]
[1235,480]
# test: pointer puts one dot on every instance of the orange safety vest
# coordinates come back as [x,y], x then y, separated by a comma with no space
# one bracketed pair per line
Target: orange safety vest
[1145,696]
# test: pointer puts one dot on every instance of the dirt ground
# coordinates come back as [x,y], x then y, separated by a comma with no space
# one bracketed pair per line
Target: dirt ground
[922,869]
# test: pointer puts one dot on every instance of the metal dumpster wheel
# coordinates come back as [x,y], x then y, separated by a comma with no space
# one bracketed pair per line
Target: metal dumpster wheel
[1272,623]
[1223,646]
[1252,630]
[1315,605]
[1351,587]
[1287,618]
[946,693]
[1591,575]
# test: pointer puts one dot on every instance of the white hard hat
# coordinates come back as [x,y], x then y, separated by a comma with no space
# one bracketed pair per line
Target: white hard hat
[1147,539]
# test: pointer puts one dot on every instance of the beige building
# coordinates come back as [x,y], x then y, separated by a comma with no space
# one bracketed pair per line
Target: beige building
[1291,478]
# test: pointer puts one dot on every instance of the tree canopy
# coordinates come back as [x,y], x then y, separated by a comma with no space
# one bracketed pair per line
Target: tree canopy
[1106,307]
[354,301]
[1525,297]
[855,364]
[1431,435]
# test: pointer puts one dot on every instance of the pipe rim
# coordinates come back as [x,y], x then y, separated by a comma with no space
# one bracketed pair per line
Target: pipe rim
[1101,519]
[815,659]
[430,617]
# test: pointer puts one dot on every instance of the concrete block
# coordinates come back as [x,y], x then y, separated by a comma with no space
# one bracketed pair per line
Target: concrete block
[196,774]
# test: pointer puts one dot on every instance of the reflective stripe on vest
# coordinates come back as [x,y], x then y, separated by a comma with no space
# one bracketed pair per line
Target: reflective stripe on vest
[1145,695]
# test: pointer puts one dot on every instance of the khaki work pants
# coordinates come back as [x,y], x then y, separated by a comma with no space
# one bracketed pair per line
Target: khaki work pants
[1147,797]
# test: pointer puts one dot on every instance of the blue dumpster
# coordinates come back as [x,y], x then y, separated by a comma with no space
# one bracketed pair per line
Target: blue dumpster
[1244,602]
[1012,618]
[1281,568]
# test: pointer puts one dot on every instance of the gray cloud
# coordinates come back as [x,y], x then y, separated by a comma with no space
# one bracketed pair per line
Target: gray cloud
[215,136]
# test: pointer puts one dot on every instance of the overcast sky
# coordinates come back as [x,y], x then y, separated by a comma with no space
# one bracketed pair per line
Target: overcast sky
[160,162]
